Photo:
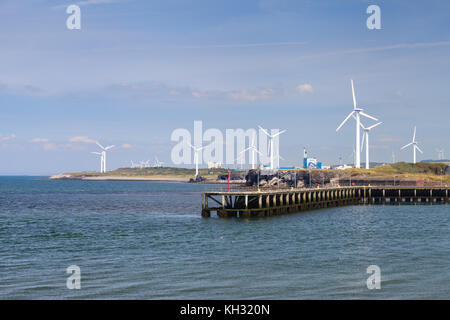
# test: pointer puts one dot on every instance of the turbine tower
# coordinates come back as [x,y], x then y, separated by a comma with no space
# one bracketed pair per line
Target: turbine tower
[103,158]
[253,150]
[366,137]
[414,144]
[271,145]
[356,113]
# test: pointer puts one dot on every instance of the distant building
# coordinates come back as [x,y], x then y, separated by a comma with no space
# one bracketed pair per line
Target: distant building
[310,163]
[343,167]
[214,165]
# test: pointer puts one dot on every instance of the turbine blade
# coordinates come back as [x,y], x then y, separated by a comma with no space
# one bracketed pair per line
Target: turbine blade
[414,136]
[367,116]
[98,143]
[277,134]
[360,123]
[345,120]
[263,130]
[190,145]
[362,142]
[260,153]
[373,126]
[109,147]
[406,145]
[245,150]
[418,149]
[353,93]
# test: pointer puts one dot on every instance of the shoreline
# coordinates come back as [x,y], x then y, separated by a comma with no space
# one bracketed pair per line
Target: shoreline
[131,178]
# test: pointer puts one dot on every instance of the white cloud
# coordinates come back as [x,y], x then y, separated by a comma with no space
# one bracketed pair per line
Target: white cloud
[49,146]
[12,136]
[305,88]
[379,48]
[39,140]
[247,45]
[251,95]
[83,139]
[89,2]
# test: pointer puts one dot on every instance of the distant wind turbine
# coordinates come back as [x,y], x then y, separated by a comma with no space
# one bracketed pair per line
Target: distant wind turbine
[356,113]
[366,137]
[271,145]
[103,157]
[158,164]
[196,150]
[253,150]
[414,144]
[440,154]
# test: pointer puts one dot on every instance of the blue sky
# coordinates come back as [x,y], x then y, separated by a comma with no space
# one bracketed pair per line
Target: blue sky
[137,70]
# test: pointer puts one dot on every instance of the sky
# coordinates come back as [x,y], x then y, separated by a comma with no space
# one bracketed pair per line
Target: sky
[138,70]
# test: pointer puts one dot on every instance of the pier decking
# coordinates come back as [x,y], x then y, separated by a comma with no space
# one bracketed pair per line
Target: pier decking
[276,202]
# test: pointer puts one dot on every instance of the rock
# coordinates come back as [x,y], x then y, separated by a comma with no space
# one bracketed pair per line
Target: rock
[197,179]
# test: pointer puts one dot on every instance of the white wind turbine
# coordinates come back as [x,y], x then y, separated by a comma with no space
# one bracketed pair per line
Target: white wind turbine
[356,112]
[196,150]
[440,154]
[253,150]
[366,137]
[103,157]
[271,145]
[414,144]
[158,164]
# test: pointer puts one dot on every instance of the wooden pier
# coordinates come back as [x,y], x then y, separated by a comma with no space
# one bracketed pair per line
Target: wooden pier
[277,202]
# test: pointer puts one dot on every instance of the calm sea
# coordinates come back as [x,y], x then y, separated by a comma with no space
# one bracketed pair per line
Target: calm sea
[147,240]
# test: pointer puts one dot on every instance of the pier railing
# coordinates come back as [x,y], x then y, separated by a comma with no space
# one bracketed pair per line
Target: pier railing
[260,203]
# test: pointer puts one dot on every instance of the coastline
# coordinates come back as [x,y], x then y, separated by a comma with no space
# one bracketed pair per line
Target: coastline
[140,178]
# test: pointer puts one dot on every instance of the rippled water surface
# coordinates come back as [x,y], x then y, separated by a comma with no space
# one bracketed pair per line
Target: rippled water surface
[147,240]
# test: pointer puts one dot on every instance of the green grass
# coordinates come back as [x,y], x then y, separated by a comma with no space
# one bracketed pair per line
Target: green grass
[156,172]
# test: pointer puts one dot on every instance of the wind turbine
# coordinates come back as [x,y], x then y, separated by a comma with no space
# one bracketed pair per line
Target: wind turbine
[366,137]
[414,144]
[196,150]
[158,164]
[271,145]
[440,154]
[356,112]
[103,158]
[253,150]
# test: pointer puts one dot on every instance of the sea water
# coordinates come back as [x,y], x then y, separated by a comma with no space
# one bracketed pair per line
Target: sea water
[147,240]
